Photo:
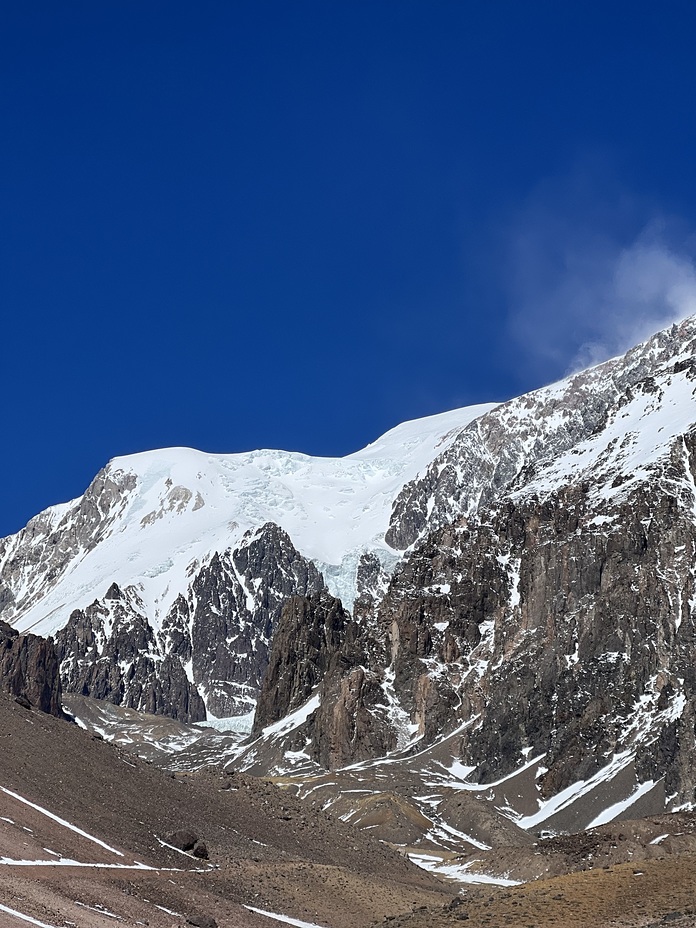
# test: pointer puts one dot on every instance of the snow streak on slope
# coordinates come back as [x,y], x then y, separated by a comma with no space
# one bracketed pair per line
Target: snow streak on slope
[635,438]
[631,407]
[24,918]
[174,507]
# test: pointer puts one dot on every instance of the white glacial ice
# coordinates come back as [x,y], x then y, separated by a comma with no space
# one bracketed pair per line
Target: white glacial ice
[187,504]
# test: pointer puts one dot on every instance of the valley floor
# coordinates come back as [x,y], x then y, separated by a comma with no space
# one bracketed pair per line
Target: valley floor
[85,842]
[656,893]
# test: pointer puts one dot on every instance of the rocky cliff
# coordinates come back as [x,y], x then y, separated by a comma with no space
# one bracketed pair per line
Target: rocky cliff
[213,643]
[29,670]
[310,632]
[548,611]
[109,651]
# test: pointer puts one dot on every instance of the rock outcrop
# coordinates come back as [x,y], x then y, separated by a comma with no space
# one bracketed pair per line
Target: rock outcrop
[309,633]
[232,611]
[554,616]
[550,631]
[29,670]
[212,647]
[109,651]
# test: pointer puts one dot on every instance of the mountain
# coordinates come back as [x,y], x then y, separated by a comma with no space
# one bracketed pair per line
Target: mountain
[541,623]
[497,602]
[163,581]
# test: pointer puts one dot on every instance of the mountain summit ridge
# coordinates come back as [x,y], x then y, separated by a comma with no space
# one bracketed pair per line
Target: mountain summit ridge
[166,582]
[539,634]
[144,512]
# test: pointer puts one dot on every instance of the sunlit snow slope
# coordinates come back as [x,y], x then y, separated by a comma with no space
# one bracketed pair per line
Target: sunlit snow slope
[154,516]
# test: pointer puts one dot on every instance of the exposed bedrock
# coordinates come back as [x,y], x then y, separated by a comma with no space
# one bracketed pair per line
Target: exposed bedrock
[560,626]
[320,649]
[212,646]
[234,606]
[29,670]
[109,651]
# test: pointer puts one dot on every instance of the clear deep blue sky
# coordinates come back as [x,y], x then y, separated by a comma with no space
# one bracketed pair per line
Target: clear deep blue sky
[233,224]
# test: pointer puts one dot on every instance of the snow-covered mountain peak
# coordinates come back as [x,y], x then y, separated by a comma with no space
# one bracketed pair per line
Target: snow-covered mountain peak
[536,635]
[148,516]
[644,398]
[214,546]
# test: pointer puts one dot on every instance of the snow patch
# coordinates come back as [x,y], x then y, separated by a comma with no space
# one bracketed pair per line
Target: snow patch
[461,873]
[60,821]
[24,918]
[298,923]
[611,812]
[293,720]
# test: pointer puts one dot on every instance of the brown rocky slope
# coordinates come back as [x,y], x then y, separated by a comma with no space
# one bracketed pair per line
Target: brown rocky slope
[265,848]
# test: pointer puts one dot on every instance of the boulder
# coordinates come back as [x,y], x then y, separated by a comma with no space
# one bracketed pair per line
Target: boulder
[183,839]
[201,921]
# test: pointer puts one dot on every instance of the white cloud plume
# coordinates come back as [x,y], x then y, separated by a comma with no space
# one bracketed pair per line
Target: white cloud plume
[582,288]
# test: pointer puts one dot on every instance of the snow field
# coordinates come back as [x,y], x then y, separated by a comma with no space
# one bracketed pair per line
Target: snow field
[187,504]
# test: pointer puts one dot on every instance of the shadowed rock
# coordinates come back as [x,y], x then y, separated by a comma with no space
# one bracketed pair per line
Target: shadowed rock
[29,670]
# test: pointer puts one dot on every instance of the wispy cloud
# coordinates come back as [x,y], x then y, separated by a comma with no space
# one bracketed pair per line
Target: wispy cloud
[650,286]
[588,276]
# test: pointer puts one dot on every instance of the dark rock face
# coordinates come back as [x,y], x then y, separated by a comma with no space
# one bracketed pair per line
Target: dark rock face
[355,719]
[219,634]
[109,651]
[309,633]
[319,648]
[372,582]
[29,670]
[233,609]
[592,638]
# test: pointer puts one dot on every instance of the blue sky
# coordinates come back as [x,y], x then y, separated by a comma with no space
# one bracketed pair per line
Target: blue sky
[232,225]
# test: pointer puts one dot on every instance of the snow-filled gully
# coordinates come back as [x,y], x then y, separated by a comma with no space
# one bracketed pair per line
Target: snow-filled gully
[285,919]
